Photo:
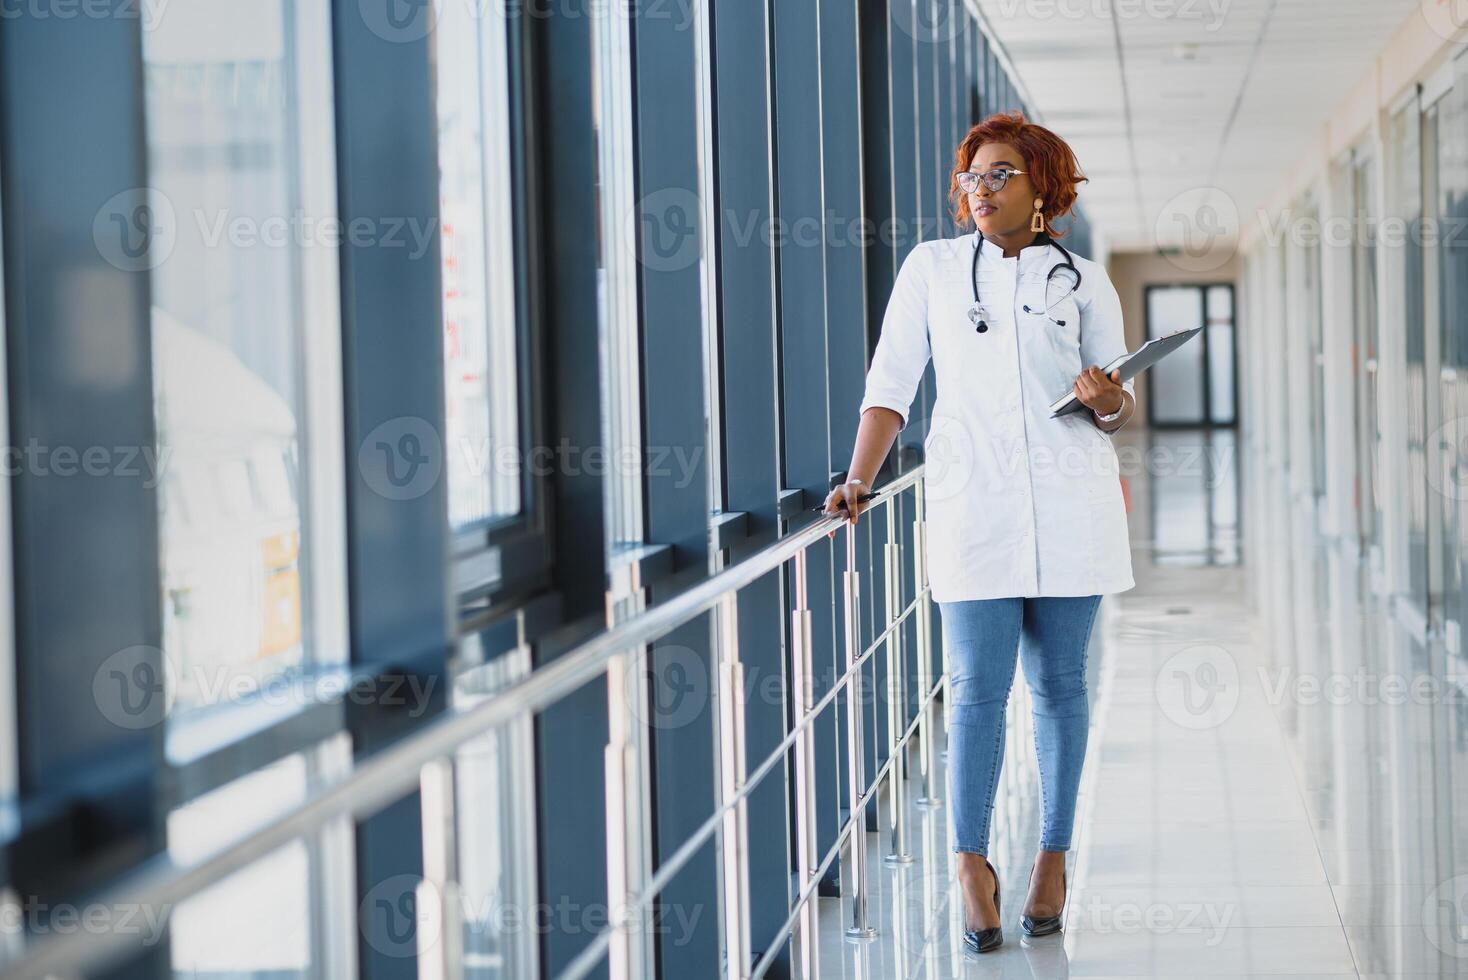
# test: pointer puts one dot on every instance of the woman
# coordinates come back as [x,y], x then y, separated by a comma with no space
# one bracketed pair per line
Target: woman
[1026,527]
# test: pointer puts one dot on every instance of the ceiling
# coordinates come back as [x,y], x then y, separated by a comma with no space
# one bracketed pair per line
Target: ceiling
[1186,113]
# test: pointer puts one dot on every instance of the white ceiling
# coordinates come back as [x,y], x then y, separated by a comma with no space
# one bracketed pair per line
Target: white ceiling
[1164,99]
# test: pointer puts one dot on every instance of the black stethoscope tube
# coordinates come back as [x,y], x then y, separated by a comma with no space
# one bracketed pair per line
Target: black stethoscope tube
[974,313]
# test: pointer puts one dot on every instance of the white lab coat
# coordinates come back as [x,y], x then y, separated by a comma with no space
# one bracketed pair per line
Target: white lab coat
[1018,503]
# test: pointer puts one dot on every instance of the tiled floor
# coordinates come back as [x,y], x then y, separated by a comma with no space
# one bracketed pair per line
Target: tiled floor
[1257,800]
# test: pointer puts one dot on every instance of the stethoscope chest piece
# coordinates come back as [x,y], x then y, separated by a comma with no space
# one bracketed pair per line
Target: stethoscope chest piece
[1070,277]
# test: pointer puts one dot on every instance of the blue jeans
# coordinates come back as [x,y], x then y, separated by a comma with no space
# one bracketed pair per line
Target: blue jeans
[981,637]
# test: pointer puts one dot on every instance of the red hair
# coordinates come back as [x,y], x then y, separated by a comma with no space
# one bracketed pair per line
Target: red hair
[1049,161]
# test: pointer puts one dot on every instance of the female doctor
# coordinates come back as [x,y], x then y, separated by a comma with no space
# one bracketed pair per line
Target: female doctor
[1026,527]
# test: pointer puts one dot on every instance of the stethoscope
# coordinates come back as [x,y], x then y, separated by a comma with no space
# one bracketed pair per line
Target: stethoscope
[976,313]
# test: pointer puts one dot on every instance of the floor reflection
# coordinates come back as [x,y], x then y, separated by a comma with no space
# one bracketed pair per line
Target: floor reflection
[1278,771]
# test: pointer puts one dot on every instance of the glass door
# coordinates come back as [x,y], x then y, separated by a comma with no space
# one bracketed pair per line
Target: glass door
[1197,384]
[1452,444]
[1364,352]
[1428,366]
[1407,185]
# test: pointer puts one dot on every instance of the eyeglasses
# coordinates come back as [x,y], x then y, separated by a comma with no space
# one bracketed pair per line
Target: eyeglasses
[994,179]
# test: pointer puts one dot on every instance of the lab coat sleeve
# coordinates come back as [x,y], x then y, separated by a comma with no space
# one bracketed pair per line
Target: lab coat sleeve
[1103,339]
[902,349]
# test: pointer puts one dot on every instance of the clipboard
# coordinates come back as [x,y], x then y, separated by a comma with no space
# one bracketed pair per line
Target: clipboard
[1130,366]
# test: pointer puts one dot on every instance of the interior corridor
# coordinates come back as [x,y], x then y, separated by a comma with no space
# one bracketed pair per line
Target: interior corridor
[1254,796]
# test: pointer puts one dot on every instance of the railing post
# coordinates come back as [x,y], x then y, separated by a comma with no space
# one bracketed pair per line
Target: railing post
[620,764]
[855,749]
[626,764]
[808,935]
[734,837]
[930,796]
[438,892]
[896,697]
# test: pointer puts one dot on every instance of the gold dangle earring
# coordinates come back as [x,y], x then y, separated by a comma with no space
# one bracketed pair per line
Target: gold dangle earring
[1037,220]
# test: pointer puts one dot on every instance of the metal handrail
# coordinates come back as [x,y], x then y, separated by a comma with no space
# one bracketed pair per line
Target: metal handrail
[388,775]
[668,869]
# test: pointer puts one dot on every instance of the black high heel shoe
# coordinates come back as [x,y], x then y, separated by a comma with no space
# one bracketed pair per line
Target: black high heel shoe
[984,940]
[1044,925]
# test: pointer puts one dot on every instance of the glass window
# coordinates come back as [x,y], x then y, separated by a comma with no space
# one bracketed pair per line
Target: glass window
[495,824]
[1173,390]
[285,915]
[1195,384]
[1406,181]
[1221,354]
[1310,300]
[246,344]
[9,750]
[1363,271]
[481,385]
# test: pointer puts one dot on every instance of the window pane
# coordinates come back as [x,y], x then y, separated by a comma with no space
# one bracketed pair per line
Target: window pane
[1175,384]
[285,915]
[480,379]
[255,922]
[9,750]
[240,158]
[1220,354]
[495,820]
